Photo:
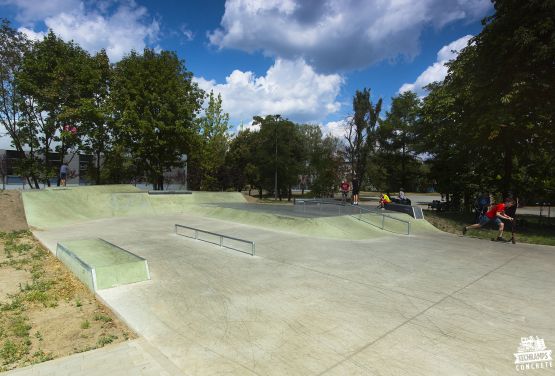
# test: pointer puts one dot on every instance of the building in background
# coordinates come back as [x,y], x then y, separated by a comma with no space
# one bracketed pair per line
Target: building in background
[78,168]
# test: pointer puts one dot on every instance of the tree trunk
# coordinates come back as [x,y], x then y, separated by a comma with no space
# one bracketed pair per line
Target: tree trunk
[467,208]
[161,182]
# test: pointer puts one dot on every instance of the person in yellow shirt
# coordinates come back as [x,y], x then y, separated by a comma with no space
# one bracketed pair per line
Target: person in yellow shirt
[384,200]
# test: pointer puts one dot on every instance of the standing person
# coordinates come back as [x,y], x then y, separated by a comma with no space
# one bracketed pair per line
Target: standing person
[63,174]
[402,196]
[494,215]
[356,187]
[345,186]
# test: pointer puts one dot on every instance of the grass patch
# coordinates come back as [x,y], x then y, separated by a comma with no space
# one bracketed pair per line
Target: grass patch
[9,352]
[529,228]
[105,340]
[102,317]
[20,327]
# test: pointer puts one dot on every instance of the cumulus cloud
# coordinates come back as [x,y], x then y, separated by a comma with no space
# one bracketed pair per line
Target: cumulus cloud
[438,70]
[29,11]
[31,34]
[337,34]
[335,128]
[118,27]
[290,88]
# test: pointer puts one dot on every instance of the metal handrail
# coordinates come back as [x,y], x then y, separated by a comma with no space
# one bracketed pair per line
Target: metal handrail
[361,209]
[221,236]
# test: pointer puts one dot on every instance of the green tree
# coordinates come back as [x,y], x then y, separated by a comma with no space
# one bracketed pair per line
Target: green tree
[155,103]
[13,47]
[396,138]
[362,133]
[53,79]
[95,113]
[326,161]
[240,161]
[214,141]
[493,114]
[279,154]
[311,138]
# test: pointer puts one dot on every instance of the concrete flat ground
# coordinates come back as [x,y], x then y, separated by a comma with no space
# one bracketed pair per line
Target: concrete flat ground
[429,303]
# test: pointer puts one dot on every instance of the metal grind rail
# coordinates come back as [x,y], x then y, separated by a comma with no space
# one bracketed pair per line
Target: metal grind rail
[343,207]
[221,238]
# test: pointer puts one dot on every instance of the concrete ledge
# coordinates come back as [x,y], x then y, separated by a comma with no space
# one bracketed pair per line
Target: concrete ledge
[100,264]
[170,192]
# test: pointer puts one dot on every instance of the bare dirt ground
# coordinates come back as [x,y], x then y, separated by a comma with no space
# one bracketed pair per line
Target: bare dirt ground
[12,215]
[45,312]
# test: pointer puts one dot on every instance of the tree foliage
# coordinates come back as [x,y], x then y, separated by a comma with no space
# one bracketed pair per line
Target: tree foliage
[362,133]
[212,145]
[396,136]
[154,102]
[490,123]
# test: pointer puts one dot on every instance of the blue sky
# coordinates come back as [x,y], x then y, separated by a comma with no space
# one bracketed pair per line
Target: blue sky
[302,59]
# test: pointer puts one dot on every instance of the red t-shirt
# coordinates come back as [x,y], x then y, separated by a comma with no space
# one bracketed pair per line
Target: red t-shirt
[494,210]
[345,186]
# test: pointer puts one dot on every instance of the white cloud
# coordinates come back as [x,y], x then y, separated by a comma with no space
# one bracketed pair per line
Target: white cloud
[438,70]
[335,128]
[31,34]
[29,11]
[289,88]
[337,34]
[189,35]
[117,27]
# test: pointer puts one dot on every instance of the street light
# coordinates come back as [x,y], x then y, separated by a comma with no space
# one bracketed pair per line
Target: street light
[276,120]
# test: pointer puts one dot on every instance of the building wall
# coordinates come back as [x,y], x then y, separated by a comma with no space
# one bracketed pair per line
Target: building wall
[77,167]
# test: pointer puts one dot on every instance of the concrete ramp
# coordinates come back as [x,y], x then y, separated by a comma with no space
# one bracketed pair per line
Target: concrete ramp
[100,264]
[56,207]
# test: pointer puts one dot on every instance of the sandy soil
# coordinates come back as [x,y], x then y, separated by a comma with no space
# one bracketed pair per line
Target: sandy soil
[12,215]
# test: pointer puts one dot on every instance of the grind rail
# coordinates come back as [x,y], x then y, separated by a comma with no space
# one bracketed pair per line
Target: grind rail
[362,214]
[221,238]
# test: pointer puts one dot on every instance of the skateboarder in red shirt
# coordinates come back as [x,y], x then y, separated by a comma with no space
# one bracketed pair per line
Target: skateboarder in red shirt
[345,186]
[494,214]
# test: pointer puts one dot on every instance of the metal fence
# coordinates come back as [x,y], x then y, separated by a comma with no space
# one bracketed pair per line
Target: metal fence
[223,241]
[371,217]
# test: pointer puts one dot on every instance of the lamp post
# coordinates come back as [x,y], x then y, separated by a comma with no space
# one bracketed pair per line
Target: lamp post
[276,119]
[184,159]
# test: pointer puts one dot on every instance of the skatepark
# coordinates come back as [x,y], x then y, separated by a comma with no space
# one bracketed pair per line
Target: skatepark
[329,290]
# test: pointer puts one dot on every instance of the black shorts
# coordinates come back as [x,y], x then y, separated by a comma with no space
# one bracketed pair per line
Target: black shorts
[355,192]
[63,175]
